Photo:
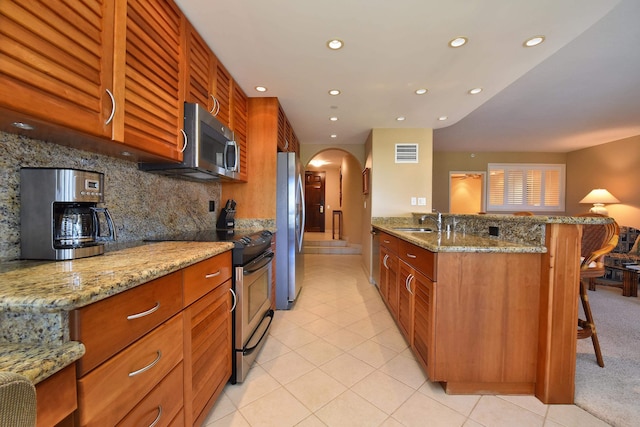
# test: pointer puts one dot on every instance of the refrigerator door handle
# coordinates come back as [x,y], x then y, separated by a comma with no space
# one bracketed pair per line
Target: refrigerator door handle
[302,204]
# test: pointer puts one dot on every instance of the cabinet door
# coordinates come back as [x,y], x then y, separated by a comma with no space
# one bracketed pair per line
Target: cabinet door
[239,124]
[424,323]
[200,70]
[153,95]
[210,352]
[57,61]
[222,93]
[406,286]
[392,283]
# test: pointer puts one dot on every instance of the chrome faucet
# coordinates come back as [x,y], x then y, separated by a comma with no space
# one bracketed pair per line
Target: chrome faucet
[437,219]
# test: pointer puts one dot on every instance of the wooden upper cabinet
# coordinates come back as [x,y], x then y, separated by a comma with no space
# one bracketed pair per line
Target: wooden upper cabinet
[222,93]
[287,140]
[56,61]
[208,81]
[149,77]
[200,70]
[240,126]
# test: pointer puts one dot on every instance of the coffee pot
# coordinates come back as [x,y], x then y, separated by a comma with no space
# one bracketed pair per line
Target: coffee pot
[78,225]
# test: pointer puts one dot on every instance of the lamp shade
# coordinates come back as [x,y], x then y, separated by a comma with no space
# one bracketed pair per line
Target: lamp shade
[599,195]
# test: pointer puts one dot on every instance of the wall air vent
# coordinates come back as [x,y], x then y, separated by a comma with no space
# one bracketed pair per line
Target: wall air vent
[406,153]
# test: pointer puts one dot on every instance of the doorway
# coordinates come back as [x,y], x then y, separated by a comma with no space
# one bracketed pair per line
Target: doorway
[467,192]
[314,190]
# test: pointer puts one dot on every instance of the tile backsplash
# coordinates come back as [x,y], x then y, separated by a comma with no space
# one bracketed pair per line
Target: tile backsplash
[142,204]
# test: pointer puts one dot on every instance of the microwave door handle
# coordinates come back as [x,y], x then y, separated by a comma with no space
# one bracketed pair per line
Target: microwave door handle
[235,157]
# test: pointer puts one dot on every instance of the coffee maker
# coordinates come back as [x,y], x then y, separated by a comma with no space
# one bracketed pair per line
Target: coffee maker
[59,216]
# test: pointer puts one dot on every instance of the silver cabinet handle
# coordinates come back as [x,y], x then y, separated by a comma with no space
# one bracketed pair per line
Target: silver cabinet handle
[149,366]
[210,275]
[235,300]
[186,140]
[412,256]
[144,313]
[113,107]
[408,283]
[387,241]
[384,261]
[214,104]
[157,420]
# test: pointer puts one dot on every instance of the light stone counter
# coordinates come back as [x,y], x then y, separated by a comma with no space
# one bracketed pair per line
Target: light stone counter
[36,297]
[470,233]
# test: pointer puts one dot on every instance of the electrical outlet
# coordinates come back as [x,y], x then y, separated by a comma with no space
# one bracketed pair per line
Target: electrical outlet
[493,231]
[212,205]
[422,201]
[414,201]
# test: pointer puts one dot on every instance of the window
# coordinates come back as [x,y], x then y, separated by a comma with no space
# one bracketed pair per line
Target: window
[531,187]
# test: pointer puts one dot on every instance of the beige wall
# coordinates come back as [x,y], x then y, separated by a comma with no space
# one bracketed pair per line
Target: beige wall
[446,161]
[614,166]
[466,194]
[394,184]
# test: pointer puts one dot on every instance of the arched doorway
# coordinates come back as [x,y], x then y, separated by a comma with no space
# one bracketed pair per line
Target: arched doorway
[342,175]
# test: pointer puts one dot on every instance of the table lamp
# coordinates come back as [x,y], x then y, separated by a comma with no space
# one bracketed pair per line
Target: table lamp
[599,197]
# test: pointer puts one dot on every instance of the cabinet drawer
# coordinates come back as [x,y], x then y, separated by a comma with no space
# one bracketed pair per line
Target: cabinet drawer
[161,405]
[110,391]
[419,258]
[106,327]
[388,241]
[204,276]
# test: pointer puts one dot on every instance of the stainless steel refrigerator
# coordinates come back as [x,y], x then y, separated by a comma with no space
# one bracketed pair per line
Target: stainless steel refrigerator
[290,230]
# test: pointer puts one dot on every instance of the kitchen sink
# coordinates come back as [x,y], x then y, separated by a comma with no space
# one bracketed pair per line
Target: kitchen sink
[414,229]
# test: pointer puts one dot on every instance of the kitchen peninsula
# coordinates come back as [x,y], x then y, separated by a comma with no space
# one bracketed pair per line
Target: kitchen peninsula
[490,306]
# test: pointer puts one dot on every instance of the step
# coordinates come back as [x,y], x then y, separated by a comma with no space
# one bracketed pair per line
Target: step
[328,243]
[333,250]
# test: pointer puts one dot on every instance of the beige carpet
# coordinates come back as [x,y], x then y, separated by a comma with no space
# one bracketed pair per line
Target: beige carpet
[611,393]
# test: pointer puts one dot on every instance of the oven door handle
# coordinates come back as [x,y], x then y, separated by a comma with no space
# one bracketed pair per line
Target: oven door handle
[248,350]
[258,263]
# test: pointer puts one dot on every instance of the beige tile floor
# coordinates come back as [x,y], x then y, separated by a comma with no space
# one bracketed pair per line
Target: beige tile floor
[338,359]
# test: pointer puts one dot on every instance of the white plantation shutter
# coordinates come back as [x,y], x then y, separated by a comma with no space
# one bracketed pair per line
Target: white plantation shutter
[531,187]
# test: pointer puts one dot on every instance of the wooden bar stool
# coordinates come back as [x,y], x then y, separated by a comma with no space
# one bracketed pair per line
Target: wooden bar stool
[597,241]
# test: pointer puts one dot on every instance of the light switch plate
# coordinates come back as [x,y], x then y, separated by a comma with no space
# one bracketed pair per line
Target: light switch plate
[422,201]
[413,201]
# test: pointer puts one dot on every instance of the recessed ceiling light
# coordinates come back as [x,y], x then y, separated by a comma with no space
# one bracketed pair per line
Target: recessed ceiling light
[334,92]
[443,118]
[533,41]
[23,125]
[401,118]
[421,91]
[475,91]
[458,41]
[333,119]
[261,89]
[335,44]
[334,135]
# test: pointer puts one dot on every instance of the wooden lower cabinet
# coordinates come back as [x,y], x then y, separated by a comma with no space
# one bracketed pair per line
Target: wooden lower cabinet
[56,397]
[471,319]
[423,322]
[161,351]
[108,393]
[207,351]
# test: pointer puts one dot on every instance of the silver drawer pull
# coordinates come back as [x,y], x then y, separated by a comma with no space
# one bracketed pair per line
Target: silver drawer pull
[149,366]
[210,275]
[145,313]
[157,420]
[412,256]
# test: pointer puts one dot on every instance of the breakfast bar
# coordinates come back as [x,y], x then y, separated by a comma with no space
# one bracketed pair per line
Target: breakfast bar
[500,300]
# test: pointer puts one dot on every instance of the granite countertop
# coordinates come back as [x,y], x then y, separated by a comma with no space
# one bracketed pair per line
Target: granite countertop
[459,242]
[36,296]
[54,286]
[518,234]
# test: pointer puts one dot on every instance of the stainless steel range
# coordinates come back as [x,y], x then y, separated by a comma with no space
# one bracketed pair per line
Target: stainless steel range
[252,261]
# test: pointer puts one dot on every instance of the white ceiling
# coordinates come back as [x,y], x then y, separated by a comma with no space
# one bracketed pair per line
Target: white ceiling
[581,87]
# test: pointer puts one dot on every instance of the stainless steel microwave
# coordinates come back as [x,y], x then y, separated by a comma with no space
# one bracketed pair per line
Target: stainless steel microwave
[211,151]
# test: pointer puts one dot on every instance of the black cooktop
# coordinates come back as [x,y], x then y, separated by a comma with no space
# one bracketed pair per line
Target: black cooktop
[247,243]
